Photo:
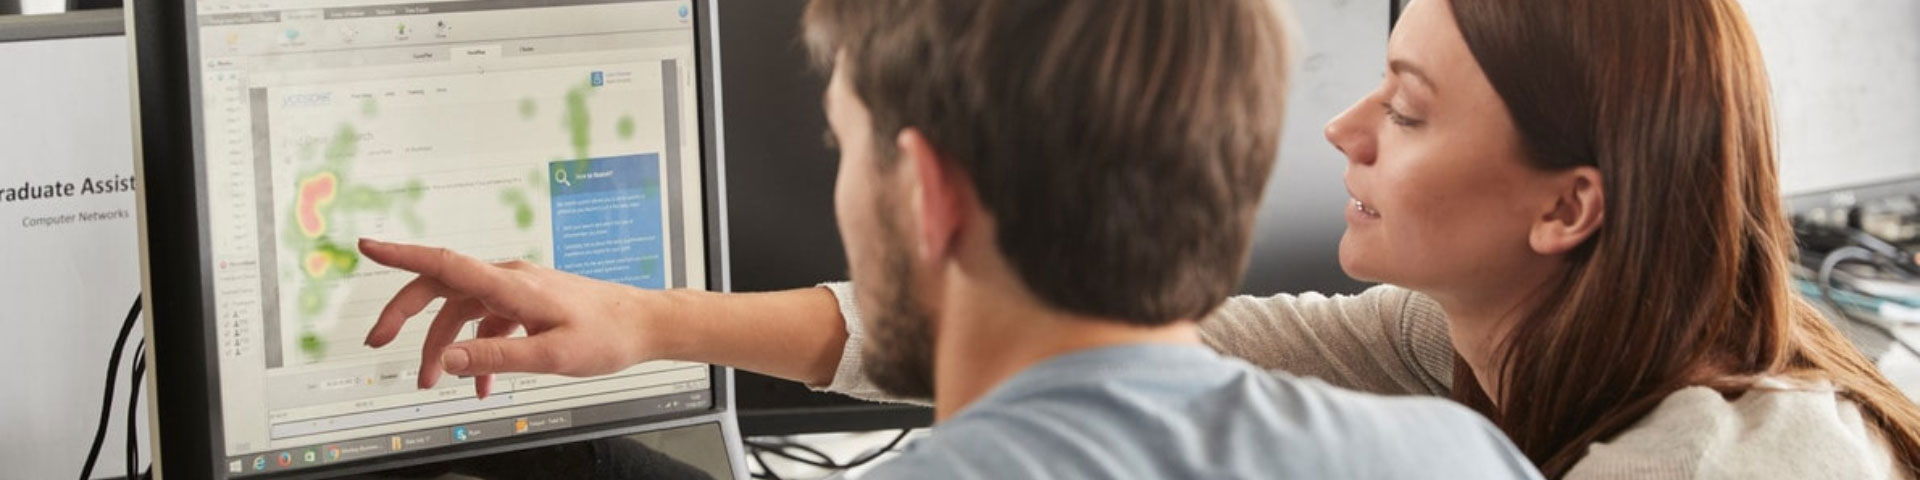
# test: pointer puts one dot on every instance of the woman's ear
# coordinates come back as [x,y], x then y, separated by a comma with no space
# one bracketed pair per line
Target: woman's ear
[1577,213]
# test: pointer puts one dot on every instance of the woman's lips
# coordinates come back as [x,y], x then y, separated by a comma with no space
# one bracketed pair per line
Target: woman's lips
[1364,209]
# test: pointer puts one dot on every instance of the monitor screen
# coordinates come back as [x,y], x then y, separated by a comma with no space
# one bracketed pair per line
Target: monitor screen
[566,133]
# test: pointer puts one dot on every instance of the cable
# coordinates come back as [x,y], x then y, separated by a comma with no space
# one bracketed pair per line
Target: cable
[821,460]
[780,451]
[821,457]
[106,400]
[882,451]
[1853,254]
[133,410]
[766,472]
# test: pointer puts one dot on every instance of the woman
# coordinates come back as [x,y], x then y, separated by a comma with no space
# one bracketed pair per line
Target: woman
[1586,192]
[1583,196]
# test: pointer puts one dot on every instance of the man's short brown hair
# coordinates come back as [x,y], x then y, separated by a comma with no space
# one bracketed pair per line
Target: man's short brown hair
[1121,146]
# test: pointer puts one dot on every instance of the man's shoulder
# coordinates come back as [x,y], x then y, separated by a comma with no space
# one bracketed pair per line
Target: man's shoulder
[1362,414]
[1392,436]
[1250,424]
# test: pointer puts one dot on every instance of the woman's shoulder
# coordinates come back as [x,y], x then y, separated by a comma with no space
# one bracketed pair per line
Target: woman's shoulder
[1780,429]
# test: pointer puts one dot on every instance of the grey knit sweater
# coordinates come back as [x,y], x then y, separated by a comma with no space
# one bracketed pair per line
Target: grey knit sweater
[1390,340]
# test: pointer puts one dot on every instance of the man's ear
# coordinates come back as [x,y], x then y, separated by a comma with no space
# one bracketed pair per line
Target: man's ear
[937,193]
[1578,211]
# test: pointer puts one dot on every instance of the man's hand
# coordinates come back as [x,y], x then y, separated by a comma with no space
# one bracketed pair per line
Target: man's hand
[575,325]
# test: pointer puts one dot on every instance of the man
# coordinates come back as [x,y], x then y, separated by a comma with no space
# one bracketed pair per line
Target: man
[1039,200]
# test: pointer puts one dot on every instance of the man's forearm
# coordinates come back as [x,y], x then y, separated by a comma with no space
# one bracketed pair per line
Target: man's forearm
[795,334]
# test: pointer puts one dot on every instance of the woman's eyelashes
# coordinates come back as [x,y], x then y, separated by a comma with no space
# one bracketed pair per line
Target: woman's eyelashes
[1398,118]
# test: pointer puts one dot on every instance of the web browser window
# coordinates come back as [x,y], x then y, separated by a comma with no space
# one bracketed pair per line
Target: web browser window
[558,132]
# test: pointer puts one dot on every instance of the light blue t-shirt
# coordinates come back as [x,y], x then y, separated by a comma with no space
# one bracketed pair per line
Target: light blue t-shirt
[1185,412]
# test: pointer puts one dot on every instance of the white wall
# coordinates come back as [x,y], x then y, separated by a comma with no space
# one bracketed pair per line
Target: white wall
[32,7]
[1340,57]
[63,289]
[1846,82]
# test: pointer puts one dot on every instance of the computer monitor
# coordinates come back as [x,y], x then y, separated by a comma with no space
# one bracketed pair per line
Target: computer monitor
[781,208]
[579,134]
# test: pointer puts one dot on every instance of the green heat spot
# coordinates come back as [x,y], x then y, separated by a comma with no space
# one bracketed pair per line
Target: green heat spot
[363,198]
[312,299]
[528,109]
[625,127]
[345,145]
[312,345]
[344,260]
[414,189]
[522,209]
[578,121]
[369,108]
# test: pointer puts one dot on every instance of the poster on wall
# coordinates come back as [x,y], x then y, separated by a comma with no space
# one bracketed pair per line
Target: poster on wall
[69,251]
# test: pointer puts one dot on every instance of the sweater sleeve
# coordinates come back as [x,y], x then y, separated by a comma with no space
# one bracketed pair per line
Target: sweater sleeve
[849,378]
[1385,340]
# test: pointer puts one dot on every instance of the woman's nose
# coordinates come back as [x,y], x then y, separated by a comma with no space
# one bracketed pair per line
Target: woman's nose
[1352,135]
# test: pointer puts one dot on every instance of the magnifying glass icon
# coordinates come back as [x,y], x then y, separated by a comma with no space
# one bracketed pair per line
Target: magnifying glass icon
[560,177]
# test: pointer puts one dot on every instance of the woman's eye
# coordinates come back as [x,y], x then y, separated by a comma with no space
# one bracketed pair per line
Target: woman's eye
[1394,116]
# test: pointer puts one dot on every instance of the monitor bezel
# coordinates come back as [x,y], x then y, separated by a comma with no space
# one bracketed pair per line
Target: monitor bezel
[187,432]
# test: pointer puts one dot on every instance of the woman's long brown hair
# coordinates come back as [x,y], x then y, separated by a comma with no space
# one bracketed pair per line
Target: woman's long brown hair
[1688,282]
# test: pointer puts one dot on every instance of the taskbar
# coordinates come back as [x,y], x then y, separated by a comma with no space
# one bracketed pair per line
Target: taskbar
[309,456]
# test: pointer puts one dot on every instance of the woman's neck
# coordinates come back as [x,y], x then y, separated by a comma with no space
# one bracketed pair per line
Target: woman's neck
[1479,327]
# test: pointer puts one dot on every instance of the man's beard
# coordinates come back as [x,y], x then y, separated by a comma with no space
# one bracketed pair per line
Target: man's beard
[898,355]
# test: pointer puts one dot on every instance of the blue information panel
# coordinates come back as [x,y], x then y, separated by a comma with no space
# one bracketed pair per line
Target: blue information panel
[607,219]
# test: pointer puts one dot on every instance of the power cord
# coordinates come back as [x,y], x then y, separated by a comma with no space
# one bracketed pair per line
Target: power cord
[106,400]
[784,449]
[766,472]
[1854,254]
[820,459]
[133,411]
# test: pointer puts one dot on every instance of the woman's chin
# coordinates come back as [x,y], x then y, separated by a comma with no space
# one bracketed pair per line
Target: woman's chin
[1354,261]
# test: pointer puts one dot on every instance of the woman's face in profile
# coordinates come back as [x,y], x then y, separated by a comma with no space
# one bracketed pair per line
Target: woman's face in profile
[1443,198]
